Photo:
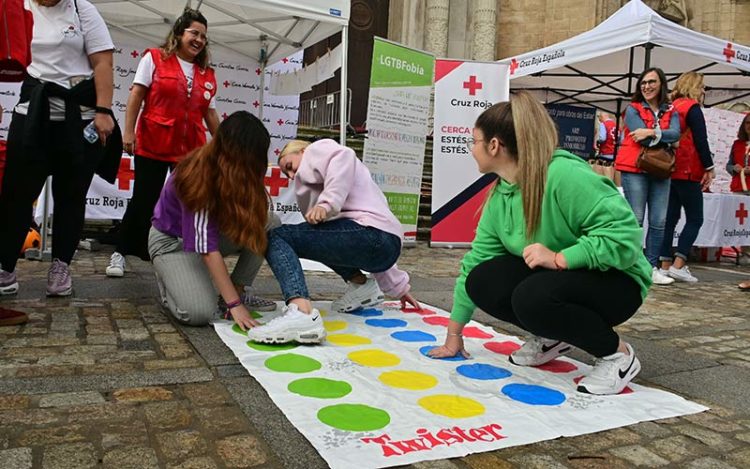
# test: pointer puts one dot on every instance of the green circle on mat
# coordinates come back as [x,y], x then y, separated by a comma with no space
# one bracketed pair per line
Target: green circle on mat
[271,347]
[354,417]
[236,328]
[292,363]
[321,388]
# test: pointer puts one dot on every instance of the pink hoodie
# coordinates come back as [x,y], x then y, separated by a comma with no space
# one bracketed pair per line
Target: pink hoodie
[332,176]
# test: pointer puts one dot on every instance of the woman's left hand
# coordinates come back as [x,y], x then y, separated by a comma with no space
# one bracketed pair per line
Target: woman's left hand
[641,134]
[316,215]
[104,125]
[407,298]
[538,255]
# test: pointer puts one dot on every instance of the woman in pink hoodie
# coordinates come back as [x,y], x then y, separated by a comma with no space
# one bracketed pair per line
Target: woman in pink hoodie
[348,227]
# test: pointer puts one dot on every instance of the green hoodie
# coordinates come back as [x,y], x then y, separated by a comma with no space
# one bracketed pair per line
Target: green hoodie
[583,216]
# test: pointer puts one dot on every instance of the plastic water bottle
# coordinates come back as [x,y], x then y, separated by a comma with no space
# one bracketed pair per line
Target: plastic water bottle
[90,134]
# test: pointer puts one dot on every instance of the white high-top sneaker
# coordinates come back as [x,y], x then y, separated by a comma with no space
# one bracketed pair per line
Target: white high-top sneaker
[538,351]
[292,326]
[611,373]
[359,296]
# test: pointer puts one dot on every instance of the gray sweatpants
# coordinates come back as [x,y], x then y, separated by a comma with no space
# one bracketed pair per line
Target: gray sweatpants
[185,285]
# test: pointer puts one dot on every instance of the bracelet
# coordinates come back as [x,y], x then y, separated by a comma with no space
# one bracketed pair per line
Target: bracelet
[557,266]
[234,304]
[103,110]
[455,335]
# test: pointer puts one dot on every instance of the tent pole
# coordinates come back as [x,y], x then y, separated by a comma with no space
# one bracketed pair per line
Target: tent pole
[647,56]
[630,72]
[263,63]
[343,95]
[618,118]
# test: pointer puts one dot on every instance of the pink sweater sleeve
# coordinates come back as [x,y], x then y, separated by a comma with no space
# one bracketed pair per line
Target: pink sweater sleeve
[333,165]
[394,282]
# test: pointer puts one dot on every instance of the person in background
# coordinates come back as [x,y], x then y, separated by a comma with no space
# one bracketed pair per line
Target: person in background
[349,227]
[693,174]
[739,159]
[650,121]
[213,205]
[67,94]
[606,137]
[564,264]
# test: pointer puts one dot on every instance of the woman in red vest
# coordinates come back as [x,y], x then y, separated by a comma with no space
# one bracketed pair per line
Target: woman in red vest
[649,122]
[176,86]
[694,172]
[739,160]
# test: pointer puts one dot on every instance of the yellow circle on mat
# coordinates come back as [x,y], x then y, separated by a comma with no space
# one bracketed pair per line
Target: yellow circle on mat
[374,358]
[333,326]
[452,406]
[348,340]
[412,380]
[323,313]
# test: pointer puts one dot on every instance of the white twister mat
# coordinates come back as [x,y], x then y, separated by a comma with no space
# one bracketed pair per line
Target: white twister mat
[369,397]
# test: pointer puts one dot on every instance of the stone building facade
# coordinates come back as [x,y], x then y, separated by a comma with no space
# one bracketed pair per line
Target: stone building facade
[495,29]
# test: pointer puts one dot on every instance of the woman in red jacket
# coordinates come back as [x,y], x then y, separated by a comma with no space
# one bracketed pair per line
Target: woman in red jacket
[694,172]
[739,160]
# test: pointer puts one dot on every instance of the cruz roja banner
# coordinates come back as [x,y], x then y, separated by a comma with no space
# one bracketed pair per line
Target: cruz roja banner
[397,111]
[463,90]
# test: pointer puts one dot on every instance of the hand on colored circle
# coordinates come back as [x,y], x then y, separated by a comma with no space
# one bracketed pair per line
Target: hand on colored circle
[407,298]
[316,215]
[242,317]
[454,345]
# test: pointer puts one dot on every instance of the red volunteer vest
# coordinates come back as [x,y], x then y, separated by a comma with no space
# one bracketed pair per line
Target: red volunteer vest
[688,164]
[16,29]
[171,124]
[630,149]
[740,156]
[608,146]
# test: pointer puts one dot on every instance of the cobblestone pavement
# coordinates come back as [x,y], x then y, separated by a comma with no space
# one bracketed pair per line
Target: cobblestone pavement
[105,379]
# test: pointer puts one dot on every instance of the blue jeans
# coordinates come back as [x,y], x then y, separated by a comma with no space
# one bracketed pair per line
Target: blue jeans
[343,245]
[687,194]
[642,190]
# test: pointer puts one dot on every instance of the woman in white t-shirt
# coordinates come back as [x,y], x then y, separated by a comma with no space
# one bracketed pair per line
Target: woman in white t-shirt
[69,86]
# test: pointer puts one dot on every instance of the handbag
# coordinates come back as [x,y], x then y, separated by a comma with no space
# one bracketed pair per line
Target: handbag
[658,162]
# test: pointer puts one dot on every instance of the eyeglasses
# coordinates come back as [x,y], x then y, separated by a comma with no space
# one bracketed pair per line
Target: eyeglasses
[197,33]
[471,141]
[649,83]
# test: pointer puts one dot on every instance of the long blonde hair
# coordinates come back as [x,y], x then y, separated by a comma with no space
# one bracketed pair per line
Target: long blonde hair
[530,137]
[293,146]
[688,85]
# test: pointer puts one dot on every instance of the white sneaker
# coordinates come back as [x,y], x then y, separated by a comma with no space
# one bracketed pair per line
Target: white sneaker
[116,267]
[292,326]
[611,373]
[682,274]
[659,278]
[538,351]
[359,296]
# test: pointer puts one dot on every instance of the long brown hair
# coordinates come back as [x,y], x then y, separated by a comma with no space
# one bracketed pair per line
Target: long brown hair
[530,137]
[663,89]
[172,43]
[225,178]
[742,133]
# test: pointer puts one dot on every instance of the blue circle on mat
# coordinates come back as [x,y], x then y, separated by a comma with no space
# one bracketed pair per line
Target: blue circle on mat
[483,372]
[367,312]
[426,349]
[413,336]
[533,395]
[386,322]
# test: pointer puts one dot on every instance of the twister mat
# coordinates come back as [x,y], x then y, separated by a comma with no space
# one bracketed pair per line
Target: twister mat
[369,397]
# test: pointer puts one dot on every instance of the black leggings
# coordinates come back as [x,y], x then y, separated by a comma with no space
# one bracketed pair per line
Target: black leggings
[149,180]
[579,307]
[23,181]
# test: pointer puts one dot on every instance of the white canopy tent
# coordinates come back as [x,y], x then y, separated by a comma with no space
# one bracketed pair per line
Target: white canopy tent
[263,30]
[600,67]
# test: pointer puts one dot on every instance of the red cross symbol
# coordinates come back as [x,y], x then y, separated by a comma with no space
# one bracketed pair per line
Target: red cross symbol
[257,71]
[741,213]
[224,116]
[276,181]
[134,54]
[277,152]
[256,103]
[513,66]
[280,122]
[226,83]
[472,85]
[125,174]
[729,52]
[285,60]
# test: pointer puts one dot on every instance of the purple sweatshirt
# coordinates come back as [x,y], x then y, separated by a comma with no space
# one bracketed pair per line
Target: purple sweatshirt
[198,231]
[332,176]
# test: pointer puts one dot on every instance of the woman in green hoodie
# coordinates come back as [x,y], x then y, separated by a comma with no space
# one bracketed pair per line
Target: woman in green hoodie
[557,250]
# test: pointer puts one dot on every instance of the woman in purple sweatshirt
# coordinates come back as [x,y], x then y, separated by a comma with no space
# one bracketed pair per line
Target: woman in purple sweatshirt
[348,227]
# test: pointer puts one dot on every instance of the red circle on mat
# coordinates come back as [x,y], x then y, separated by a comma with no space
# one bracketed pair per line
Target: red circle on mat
[557,366]
[436,320]
[476,333]
[504,348]
[627,389]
